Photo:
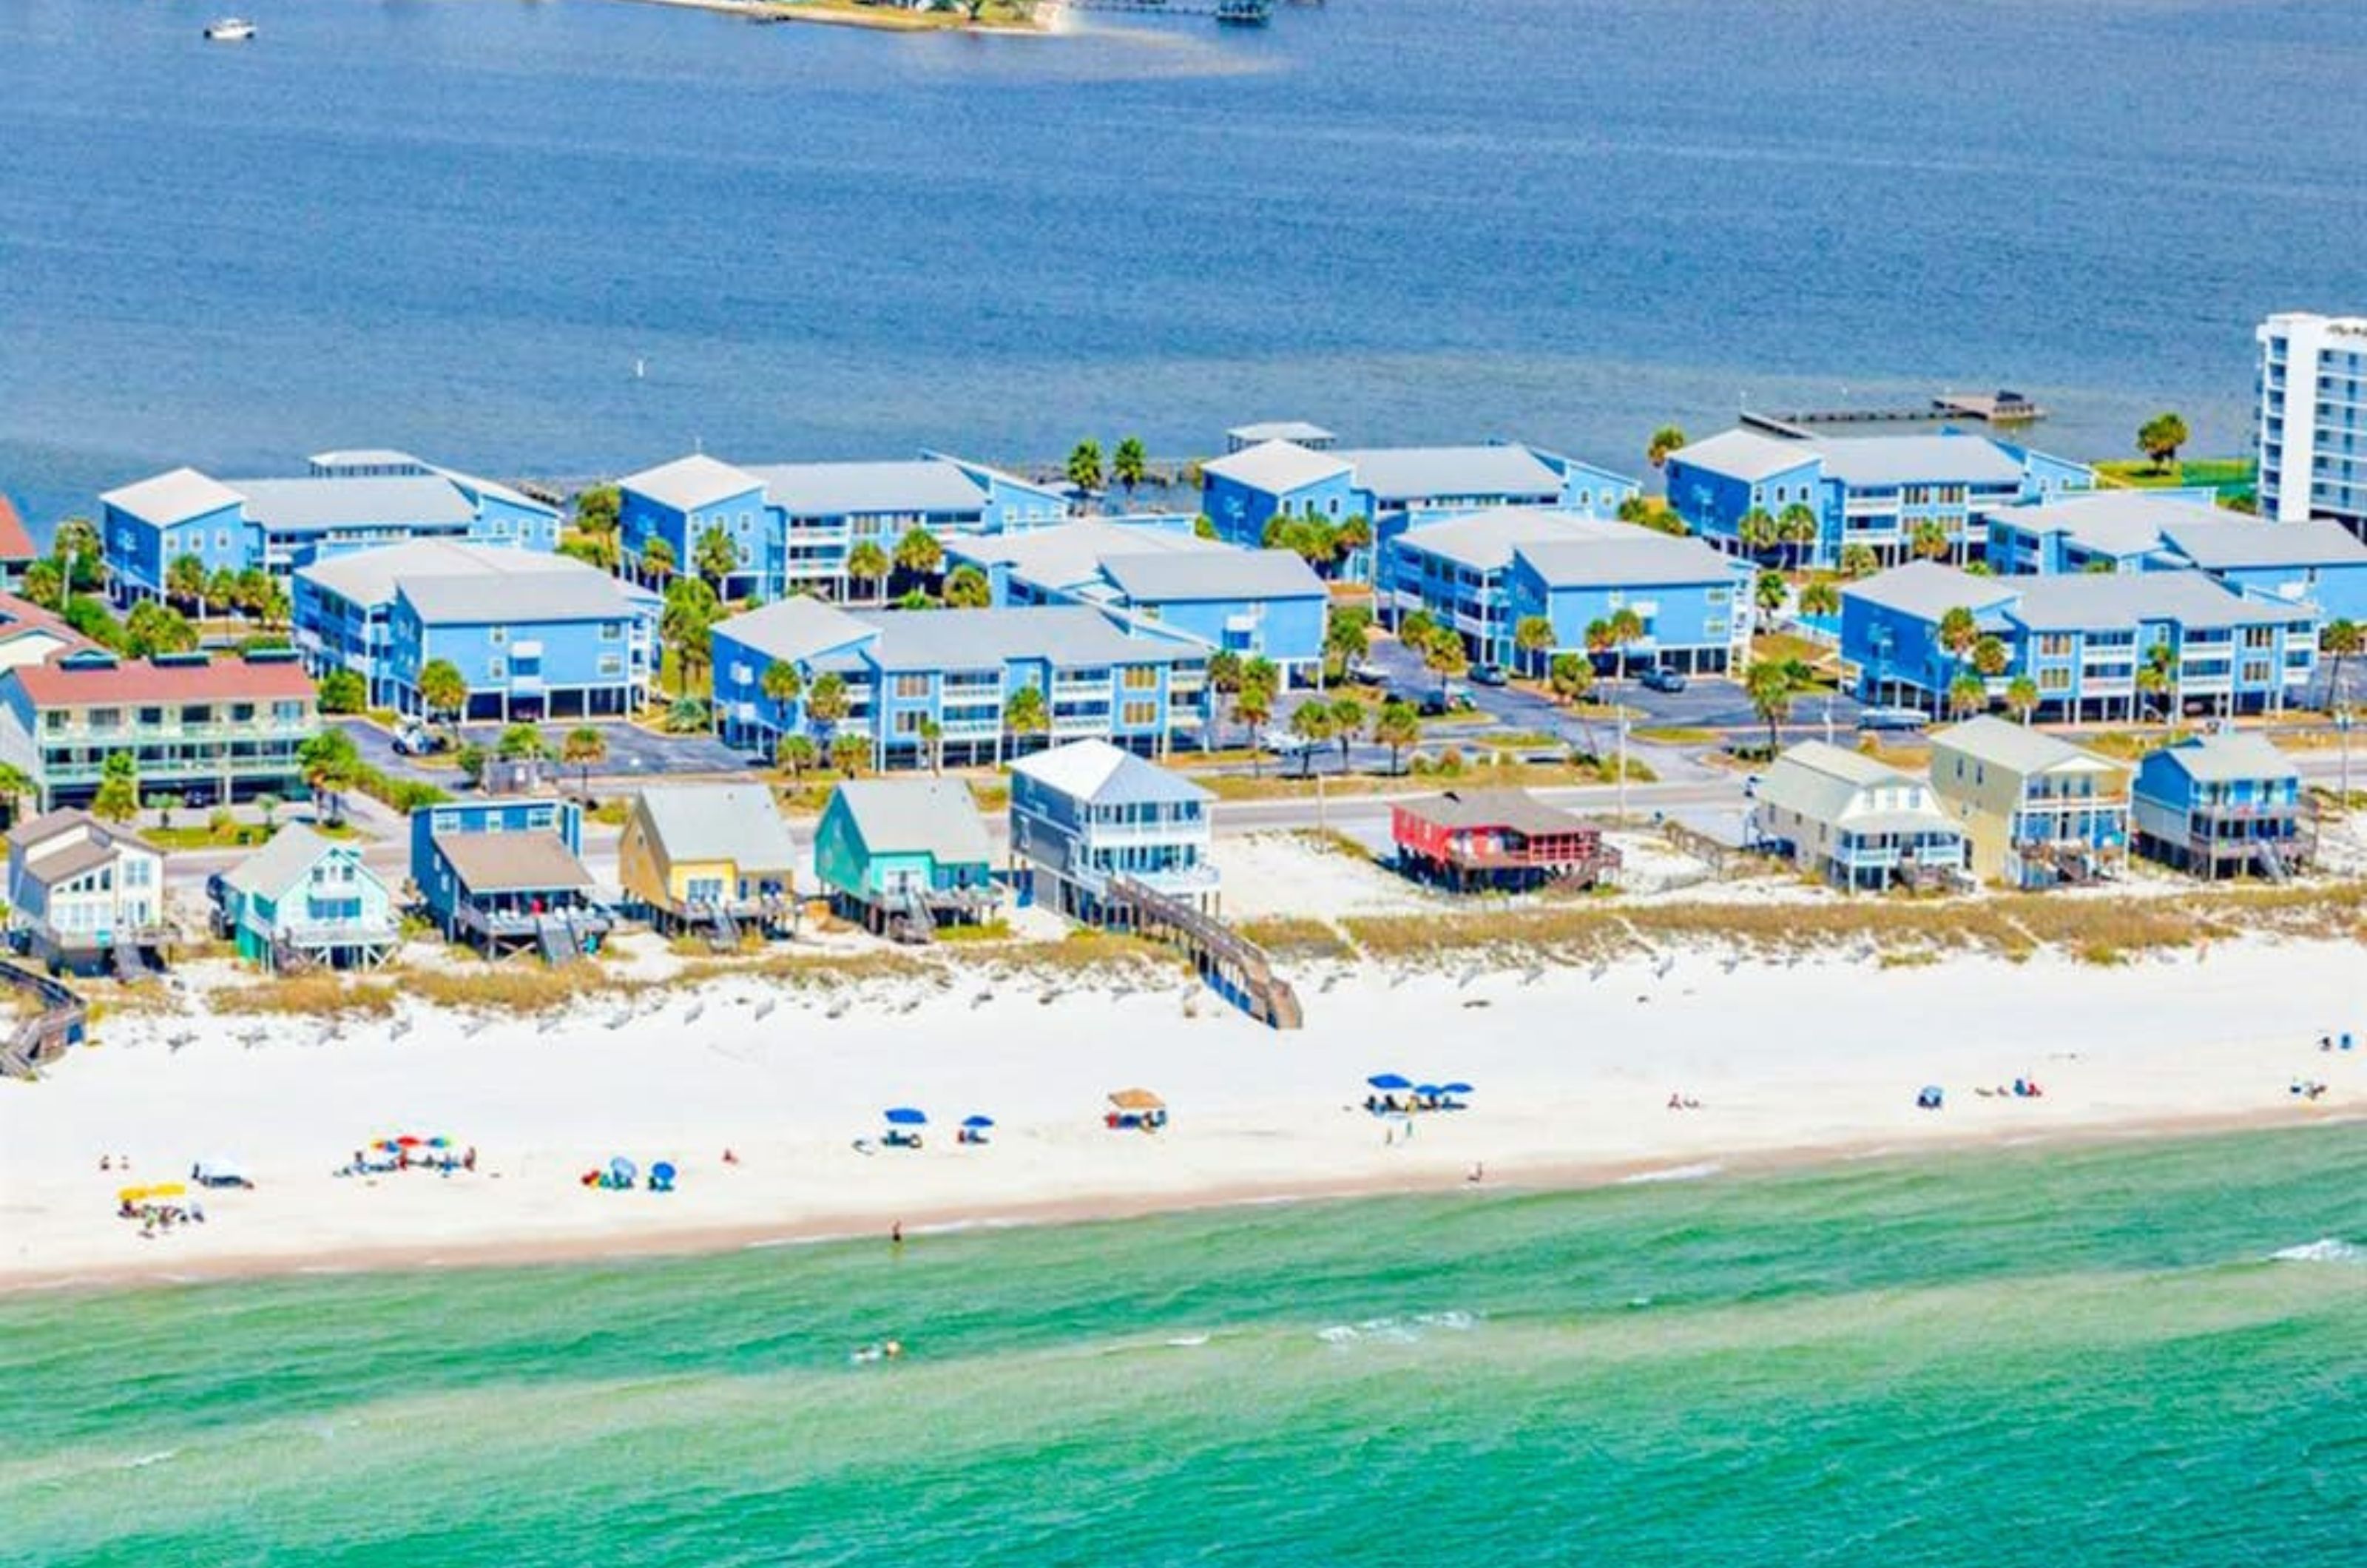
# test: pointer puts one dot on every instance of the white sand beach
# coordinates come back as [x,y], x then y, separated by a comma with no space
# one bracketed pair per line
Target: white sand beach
[1573,1069]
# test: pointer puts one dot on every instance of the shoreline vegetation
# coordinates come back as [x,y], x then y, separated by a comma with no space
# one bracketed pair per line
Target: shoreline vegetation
[1012,18]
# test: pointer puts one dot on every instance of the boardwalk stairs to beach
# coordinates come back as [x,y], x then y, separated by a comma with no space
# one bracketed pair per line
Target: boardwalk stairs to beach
[723,934]
[556,935]
[1238,968]
[46,1035]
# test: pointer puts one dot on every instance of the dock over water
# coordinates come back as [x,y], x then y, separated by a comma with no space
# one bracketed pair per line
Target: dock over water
[2001,407]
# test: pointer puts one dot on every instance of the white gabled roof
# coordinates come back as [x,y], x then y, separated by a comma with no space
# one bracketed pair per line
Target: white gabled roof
[690,483]
[1746,455]
[1276,467]
[174,496]
[1821,781]
[1105,775]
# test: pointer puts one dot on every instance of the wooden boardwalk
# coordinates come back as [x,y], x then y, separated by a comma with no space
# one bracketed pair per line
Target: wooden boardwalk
[1226,959]
[46,1035]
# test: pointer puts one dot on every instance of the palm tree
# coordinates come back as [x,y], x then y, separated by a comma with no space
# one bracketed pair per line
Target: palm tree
[933,737]
[1025,714]
[1444,657]
[1224,676]
[2157,677]
[1347,722]
[782,684]
[186,579]
[1311,724]
[848,754]
[1768,683]
[686,622]
[1347,636]
[657,558]
[1355,536]
[1756,530]
[1415,629]
[1819,596]
[1532,635]
[1085,465]
[117,799]
[866,562]
[1991,656]
[1769,591]
[269,806]
[1968,695]
[1796,527]
[522,743]
[584,745]
[1667,439]
[793,754]
[1627,630]
[443,690]
[1958,632]
[1929,539]
[1254,708]
[716,557]
[1127,462]
[2021,697]
[2161,437]
[826,700]
[15,785]
[222,588]
[1570,678]
[45,584]
[967,589]
[331,761]
[1396,727]
[2340,641]
[918,554]
[1858,560]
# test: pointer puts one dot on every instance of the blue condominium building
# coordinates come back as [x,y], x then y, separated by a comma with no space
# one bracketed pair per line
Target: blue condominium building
[534,635]
[2082,640]
[794,524]
[1258,604]
[348,501]
[1395,488]
[2312,560]
[1874,491]
[1484,573]
[939,686]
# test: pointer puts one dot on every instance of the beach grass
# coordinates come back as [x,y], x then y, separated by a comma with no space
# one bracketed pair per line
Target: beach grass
[1298,937]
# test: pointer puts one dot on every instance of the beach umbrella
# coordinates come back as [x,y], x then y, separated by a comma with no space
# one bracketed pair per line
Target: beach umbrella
[1454,1088]
[129,1194]
[978,1120]
[906,1116]
[1390,1081]
[661,1172]
[406,1142]
[388,1145]
[1137,1100]
[439,1142]
[622,1168]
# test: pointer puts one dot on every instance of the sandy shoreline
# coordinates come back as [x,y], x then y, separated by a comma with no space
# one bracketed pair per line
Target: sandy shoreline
[1817,1060]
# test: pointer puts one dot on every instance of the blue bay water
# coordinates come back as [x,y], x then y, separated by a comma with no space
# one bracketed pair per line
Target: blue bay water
[2018,1358]
[454,225]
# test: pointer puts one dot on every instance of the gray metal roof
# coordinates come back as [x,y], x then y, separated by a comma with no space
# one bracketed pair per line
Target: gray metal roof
[2015,747]
[1640,558]
[1880,461]
[1278,430]
[688,483]
[478,597]
[1067,636]
[1485,540]
[1218,574]
[1821,782]
[1415,473]
[735,822]
[1929,589]
[2227,755]
[310,505]
[1105,775]
[1276,467]
[368,577]
[935,817]
[1747,455]
[173,497]
[2125,600]
[797,629]
[2113,522]
[832,489]
[273,869]
[2225,542]
[1068,555]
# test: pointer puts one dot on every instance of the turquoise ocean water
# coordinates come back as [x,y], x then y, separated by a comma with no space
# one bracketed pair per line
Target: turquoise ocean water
[2143,1355]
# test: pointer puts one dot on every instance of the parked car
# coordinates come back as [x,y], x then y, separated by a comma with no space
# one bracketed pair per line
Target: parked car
[1487,675]
[1364,672]
[1437,704]
[1893,718]
[414,738]
[1661,678]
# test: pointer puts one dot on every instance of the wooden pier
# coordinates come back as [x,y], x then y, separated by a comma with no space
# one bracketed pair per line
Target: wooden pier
[1230,13]
[2001,407]
[1230,962]
[46,1034]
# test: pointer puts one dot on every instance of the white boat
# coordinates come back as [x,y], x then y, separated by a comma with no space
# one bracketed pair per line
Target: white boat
[230,29]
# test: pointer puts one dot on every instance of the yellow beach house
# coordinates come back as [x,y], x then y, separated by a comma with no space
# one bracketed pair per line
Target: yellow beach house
[2037,811]
[709,857]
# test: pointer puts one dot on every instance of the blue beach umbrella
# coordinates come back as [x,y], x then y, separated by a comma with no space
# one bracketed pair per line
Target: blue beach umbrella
[905,1116]
[1390,1081]
[622,1168]
[661,1172]
[978,1120]
[1454,1088]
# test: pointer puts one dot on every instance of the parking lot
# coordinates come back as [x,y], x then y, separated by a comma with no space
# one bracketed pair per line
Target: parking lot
[632,751]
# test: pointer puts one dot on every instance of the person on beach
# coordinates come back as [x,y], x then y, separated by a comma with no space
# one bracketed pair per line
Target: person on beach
[468,1160]
[105,1163]
[895,1234]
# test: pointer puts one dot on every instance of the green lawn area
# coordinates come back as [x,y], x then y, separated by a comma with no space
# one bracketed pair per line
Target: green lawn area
[242,835]
[2231,477]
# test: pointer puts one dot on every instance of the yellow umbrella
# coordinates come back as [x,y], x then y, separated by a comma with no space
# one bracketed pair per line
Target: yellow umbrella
[1137,1100]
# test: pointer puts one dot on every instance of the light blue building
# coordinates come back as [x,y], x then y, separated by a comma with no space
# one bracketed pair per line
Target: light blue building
[936,685]
[304,899]
[534,635]
[1157,574]
[2311,560]
[2082,639]
[1865,490]
[2312,388]
[1085,816]
[793,525]
[1484,572]
[502,874]
[2222,804]
[1395,488]
[349,500]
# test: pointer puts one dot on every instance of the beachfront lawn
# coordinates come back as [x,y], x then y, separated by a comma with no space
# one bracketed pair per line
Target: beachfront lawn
[2222,473]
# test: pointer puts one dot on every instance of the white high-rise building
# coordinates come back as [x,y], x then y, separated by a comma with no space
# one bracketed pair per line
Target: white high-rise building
[2312,418]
